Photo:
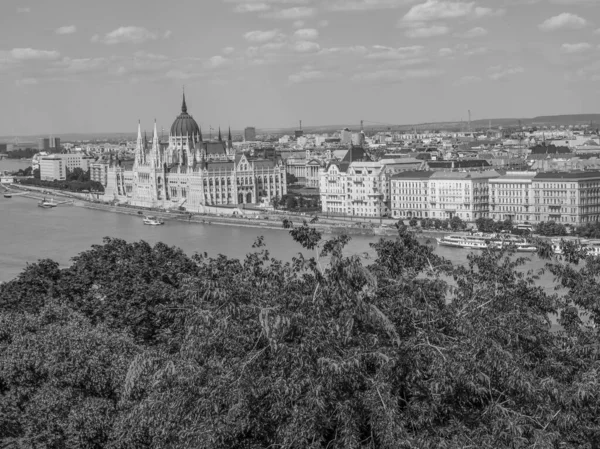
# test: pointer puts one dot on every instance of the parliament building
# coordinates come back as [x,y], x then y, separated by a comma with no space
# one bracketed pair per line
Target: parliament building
[193,173]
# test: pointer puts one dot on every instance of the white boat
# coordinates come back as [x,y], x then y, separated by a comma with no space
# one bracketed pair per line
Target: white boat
[47,204]
[521,245]
[463,241]
[152,221]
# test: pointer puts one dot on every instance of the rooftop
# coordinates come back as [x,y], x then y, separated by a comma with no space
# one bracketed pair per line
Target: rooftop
[413,174]
[573,175]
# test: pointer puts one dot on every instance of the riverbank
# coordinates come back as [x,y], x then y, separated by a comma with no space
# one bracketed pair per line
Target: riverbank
[273,221]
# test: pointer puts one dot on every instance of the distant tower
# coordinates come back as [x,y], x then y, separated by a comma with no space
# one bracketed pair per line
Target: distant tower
[469,120]
[220,138]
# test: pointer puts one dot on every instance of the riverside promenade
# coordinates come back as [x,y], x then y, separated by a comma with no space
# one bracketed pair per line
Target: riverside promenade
[253,219]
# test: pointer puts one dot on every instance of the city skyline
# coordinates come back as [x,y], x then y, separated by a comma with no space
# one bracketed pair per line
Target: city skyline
[270,63]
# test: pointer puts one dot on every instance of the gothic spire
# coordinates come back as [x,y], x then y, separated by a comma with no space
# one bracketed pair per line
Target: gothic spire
[139,137]
[183,105]
[200,130]
[229,137]
[220,138]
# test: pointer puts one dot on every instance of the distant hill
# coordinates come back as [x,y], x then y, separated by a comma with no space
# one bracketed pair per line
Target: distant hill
[546,120]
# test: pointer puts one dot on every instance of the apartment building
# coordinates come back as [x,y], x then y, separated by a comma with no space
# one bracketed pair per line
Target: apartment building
[464,194]
[360,188]
[99,172]
[409,194]
[52,167]
[567,197]
[55,166]
[511,197]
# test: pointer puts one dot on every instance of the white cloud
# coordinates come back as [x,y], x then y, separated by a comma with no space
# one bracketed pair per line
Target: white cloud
[126,35]
[295,13]
[26,82]
[441,9]
[365,5]
[306,47]
[81,65]
[444,52]
[216,61]
[475,51]
[251,7]
[576,48]
[69,29]
[306,75]
[428,31]
[564,21]
[395,76]
[499,72]
[24,54]
[306,34]
[473,33]
[228,50]
[24,10]
[272,46]
[381,52]
[468,79]
[261,36]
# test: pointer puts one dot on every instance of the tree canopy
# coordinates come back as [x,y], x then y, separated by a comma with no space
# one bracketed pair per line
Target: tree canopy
[140,346]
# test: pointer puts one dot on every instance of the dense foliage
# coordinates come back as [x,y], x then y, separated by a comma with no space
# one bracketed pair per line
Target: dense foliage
[453,224]
[139,346]
[70,185]
[550,229]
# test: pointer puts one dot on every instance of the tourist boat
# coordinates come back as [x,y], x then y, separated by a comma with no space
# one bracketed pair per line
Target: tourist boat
[47,204]
[521,245]
[460,241]
[8,195]
[152,221]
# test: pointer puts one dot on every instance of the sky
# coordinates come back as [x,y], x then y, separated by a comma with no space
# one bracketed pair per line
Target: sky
[83,66]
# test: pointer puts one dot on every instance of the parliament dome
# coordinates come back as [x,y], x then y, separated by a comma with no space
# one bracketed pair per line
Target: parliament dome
[184,124]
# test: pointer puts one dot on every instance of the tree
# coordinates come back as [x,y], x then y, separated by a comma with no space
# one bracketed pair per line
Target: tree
[141,346]
[413,222]
[36,173]
[291,178]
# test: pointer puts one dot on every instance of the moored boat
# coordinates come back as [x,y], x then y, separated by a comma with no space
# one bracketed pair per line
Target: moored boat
[152,221]
[47,204]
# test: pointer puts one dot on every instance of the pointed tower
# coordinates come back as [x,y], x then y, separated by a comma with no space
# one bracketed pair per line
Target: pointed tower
[229,143]
[183,105]
[220,138]
[155,150]
[139,146]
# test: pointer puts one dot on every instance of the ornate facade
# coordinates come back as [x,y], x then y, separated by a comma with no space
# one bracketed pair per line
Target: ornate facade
[193,173]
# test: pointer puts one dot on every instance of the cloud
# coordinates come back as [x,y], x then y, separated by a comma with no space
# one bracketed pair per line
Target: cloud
[167,34]
[306,34]
[445,52]
[468,79]
[564,21]
[251,7]
[576,48]
[306,47]
[306,75]
[442,10]
[228,50]
[428,31]
[126,35]
[216,61]
[395,76]
[298,24]
[324,23]
[295,13]
[365,5]
[472,33]
[69,29]
[24,10]
[26,82]
[25,54]
[80,65]
[261,36]
[499,72]
[383,53]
